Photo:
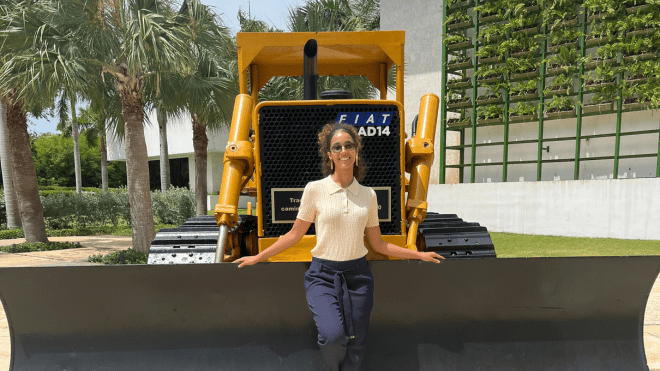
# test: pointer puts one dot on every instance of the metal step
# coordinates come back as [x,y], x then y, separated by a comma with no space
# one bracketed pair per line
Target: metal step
[194,242]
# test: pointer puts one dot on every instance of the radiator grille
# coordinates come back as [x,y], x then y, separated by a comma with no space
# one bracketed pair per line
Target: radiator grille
[289,155]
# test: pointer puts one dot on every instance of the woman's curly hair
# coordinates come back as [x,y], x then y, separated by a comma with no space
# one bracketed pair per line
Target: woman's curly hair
[325,137]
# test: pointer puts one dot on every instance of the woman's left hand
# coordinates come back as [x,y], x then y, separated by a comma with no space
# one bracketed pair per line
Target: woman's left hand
[430,256]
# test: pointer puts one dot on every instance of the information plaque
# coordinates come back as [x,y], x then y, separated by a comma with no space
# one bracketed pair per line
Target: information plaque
[286,201]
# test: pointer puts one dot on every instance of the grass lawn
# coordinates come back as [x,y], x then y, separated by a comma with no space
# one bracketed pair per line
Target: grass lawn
[509,245]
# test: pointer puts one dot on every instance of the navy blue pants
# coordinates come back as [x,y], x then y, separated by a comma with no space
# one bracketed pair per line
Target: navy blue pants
[340,296]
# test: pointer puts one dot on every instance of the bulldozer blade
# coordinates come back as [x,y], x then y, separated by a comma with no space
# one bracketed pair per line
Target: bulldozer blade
[490,314]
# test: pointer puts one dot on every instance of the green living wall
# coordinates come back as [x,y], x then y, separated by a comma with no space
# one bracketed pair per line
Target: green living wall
[507,62]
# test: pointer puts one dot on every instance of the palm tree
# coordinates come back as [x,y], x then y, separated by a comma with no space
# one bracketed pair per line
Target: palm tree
[161,117]
[18,27]
[23,173]
[94,125]
[70,128]
[208,93]
[11,203]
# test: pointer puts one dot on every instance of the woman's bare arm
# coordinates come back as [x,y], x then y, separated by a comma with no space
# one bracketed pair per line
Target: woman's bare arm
[390,249]
[296,233]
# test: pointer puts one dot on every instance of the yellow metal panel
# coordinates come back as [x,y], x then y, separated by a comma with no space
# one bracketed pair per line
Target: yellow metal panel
[301,252]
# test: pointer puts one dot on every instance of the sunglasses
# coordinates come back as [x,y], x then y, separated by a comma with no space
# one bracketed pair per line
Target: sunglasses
[349,146]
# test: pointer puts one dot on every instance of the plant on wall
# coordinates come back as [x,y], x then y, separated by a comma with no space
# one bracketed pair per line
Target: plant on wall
[491,92]
[523,22]
[638,45]
[458,60]
[601,31]
[601,8]
[561,84]
[523,109]
[522,7]
[522,65]
[493,32]
[643,70]
[524,88]
[497,86]
[608,51]
[518,46]
[458,17]
[490,7]
[636,22]
[563,36]
[565,60]
[454,2]
[488,51]
[488,112]
[559,103]
[455,39]
[490,71]
[604,73]
[456,96]
[554,12]
[605,94]
[645,92]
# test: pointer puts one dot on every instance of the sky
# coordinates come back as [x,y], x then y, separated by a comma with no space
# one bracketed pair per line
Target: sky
[273,12]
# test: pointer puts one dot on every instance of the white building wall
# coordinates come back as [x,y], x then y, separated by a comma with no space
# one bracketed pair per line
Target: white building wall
[612,208]
[179,142]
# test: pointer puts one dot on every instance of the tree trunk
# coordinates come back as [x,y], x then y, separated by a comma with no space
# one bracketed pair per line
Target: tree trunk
[164,155]
[23,172]
[137,164]
[11,203]
[76,145]
[200,144]
[104,164]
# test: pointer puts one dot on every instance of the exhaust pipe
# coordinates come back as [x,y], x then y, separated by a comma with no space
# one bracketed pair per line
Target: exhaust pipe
[310,74]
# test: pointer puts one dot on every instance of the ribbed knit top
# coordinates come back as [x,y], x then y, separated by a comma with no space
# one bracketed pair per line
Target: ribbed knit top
[340,216]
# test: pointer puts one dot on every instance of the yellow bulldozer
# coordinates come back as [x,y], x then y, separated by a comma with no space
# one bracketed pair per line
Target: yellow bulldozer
[190,308]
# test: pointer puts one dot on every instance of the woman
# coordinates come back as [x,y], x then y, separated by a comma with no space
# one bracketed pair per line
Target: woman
[338,284]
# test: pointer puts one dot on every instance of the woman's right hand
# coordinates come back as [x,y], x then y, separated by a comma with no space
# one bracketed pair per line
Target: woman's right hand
[247,260]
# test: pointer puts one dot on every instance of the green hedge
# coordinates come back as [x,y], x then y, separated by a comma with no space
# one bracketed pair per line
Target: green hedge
[89,213]
[85,210]
[121,230]
[39,246]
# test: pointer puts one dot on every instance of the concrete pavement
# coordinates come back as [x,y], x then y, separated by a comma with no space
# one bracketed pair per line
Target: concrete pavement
[105,244]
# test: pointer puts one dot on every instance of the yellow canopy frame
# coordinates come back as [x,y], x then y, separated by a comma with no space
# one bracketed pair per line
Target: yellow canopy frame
[367,53]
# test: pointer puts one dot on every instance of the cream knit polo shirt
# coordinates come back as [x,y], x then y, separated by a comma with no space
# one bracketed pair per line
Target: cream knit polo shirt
[340,215]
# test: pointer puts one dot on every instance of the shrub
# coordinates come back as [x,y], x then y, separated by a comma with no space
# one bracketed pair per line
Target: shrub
[174,206]
[86,210]
[8,234]
[39,246]
[128,256]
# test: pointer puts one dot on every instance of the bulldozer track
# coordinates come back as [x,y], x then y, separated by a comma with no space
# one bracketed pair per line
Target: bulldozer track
[454,238]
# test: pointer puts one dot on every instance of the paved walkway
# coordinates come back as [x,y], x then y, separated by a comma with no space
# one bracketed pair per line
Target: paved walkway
[105,244]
